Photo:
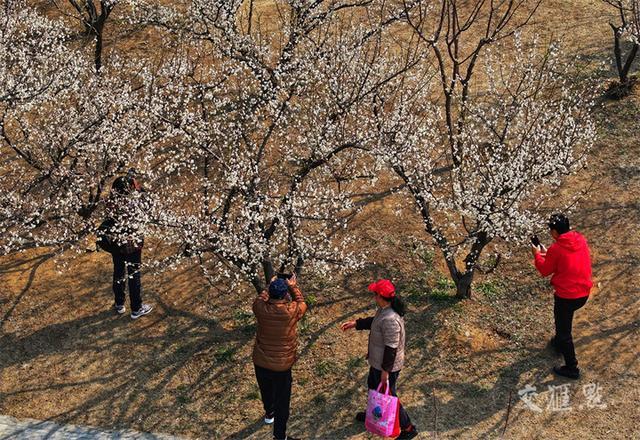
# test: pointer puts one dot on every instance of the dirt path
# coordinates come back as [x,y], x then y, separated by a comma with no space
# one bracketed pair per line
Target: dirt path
[14,429]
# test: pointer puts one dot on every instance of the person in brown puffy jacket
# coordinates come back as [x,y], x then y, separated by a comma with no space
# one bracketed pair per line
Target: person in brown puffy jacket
[275,351]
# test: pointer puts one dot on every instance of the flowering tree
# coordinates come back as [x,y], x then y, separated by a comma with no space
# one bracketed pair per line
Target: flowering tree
[260,142]
[256,134]
[60,149]
[628,29]
[93,15]
[478,159]
[264,120]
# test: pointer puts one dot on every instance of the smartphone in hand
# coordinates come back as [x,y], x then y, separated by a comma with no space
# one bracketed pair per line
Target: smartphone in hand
[535,241]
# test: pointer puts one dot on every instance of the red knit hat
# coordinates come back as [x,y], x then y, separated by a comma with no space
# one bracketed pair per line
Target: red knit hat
[384,288]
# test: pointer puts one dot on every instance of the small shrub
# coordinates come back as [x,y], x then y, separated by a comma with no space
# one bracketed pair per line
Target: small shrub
[444,283]
[311,300]
[441,295]
[319,400]
[325,367]
[304,326]
[224,353]
[490,289]
[355,362]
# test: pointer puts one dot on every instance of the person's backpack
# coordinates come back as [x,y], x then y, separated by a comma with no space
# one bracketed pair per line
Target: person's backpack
[104,241]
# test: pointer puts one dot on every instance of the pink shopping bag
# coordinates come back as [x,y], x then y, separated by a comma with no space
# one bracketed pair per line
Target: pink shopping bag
[383,413]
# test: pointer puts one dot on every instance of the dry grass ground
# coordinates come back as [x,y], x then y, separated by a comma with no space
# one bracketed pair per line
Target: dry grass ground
[186,369]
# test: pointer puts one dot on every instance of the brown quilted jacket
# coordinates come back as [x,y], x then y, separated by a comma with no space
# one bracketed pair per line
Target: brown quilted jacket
[276,338]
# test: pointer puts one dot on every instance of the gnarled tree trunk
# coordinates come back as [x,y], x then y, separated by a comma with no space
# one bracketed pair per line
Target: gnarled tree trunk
[463,284]
[463,279]
[623,66]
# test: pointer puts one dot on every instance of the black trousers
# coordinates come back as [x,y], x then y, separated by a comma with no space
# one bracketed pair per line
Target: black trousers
[127,266]
[275,389]
[374,380]
[563,310]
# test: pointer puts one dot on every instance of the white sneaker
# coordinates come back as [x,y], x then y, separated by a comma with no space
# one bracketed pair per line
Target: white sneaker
[145,309]
[268,420]
[119,309]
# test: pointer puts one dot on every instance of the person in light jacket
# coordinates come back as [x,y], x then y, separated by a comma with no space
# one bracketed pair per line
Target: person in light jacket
[386,346]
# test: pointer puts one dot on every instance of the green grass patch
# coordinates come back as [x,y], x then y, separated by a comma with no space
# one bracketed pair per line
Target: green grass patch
[311,300]
[319,400]
[325,367]
[355,362]
[490,289]
[225,353]
[304,325]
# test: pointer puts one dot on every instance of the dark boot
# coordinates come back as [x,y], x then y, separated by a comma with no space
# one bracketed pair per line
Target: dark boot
[408,433]
[361,416]
[570,372]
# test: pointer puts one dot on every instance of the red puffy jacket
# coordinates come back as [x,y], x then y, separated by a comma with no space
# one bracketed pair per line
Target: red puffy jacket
[569,261]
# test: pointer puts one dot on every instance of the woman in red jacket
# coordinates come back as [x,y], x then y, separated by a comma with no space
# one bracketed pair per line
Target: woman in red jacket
[569,263]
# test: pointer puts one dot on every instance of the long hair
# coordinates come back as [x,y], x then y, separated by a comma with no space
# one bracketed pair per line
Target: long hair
[398,305]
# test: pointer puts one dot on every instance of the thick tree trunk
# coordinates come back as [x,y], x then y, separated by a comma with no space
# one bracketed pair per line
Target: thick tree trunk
[257,284]
[267,269]
[98,48]
[463,285]
[617,51]
[463,279]
[623,66]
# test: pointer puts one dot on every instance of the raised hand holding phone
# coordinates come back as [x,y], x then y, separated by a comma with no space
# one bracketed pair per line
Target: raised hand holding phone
[535,241]
[292,281]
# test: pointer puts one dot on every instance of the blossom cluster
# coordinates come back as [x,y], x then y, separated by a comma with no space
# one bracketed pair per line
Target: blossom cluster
[253,136]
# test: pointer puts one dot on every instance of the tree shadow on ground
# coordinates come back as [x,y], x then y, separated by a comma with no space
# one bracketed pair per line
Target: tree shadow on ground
[139,391]
[178,342]
[30,265]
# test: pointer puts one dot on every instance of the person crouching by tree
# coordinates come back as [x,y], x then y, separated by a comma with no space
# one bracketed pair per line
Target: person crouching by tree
[568,260]
[275,351]
[386,346]
[125,209]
